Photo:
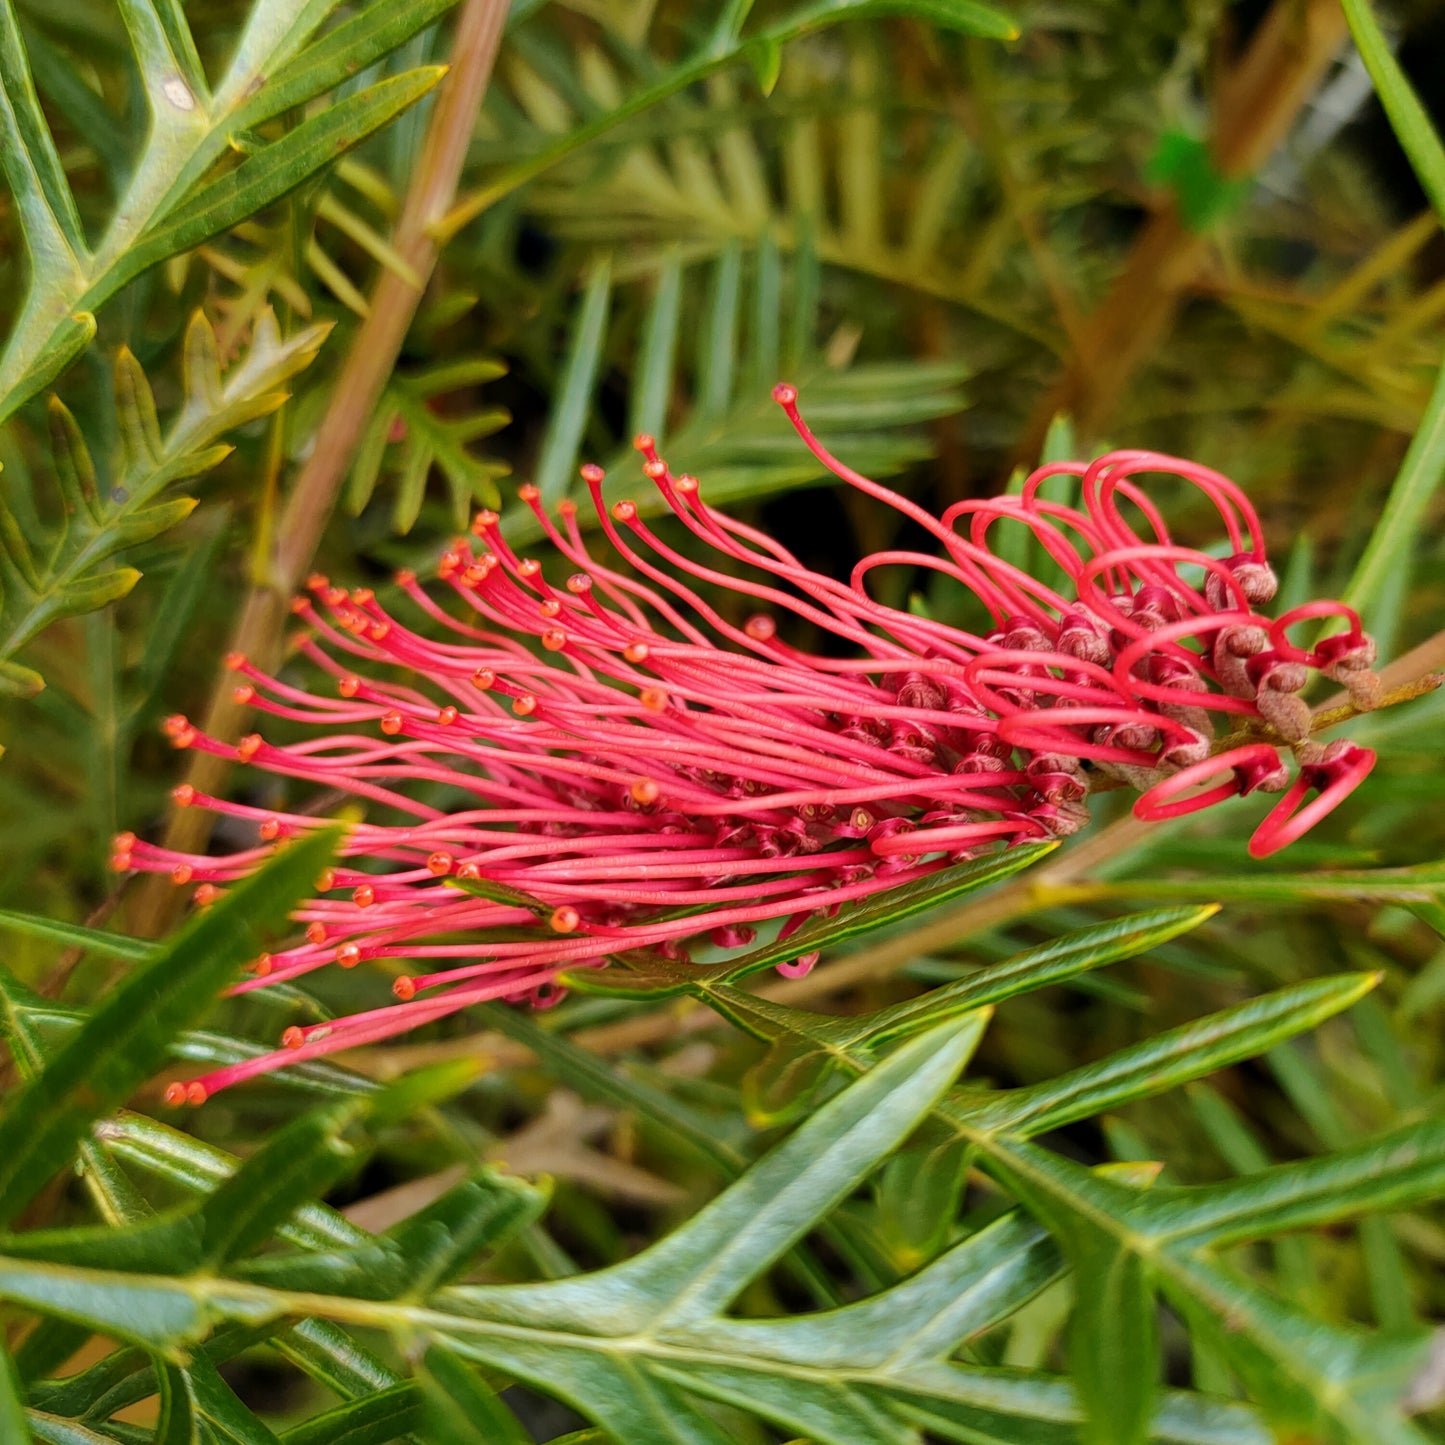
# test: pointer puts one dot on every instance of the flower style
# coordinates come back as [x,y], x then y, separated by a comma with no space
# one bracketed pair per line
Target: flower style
[621,769]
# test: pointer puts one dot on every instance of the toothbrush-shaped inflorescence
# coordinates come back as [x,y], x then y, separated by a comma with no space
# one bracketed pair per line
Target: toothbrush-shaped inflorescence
[624,770]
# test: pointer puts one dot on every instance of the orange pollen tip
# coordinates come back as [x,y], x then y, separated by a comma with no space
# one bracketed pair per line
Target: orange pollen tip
[120,863]
[378,630]
[636,651]
[182,874]
[205,895]
[566,508]
[334,596]
[591,472]
[327,881]
[760,628]
[653,699]
[196,1094]
[183,795]
[349,686]
[317,582]
[262,966]
[300,606]
[123,842]
[483,520]
[470,872]
[440,864]
[293,1038]
[364,896]
[391,722]
[348,955]
[270,828]
[363,596]
[784,394]
[524,705]
[404,989]
[565,919]
[578,583]
[446,716]
[549,607]
[178,722]
[235,661]
[655,471]
[554,639]
[175,1094]
[405,578]
[687,485]
[245,694]
[248,747]
[476,573]
[643,442]
[528,567]
[625,511]
[528,493]
[644,792]
[316,933]
[484,678]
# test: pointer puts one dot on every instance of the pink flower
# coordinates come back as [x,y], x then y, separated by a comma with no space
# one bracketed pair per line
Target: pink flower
[623,769]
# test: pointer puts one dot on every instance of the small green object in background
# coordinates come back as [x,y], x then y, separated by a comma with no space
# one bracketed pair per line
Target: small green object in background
[1184,165]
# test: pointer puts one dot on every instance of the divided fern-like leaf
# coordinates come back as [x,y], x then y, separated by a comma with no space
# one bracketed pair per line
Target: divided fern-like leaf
[102,519]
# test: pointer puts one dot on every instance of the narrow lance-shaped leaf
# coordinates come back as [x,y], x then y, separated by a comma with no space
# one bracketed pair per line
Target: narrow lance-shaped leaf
[13,1424]
[125,1040]
[460,1408]
[1174,1057]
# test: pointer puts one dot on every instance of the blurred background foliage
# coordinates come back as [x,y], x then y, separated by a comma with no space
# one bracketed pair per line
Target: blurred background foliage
[1181,224]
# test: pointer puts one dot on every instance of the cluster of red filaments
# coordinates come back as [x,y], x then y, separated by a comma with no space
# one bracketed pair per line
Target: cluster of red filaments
[640,773]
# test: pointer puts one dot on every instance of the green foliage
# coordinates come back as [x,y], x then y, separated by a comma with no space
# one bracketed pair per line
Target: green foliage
[173,198]
[108,511]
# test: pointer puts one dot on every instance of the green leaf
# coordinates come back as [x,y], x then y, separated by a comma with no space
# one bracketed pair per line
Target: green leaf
[153,1311]
[1049,963]
[228,1421]
[557,462]
[1175,1056]
[374,1419]
[13,1423]
[438,1243]
[52,1430]
[1421,472]
[49,219]
[342,52]
[460,1409]
[70,581]
[74,935]
[1399,1169]
[178,1424]
[657,357]
[269,174]
[298,1163]
[125,1040]
[1421,883]
[1114,1342]
[638,1344]
[965,15]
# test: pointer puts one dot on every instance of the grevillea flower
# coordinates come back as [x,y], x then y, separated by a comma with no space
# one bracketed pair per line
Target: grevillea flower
[626,770]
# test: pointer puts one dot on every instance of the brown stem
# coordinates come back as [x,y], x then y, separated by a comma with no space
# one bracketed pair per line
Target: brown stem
[1255,107]
[354,398]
